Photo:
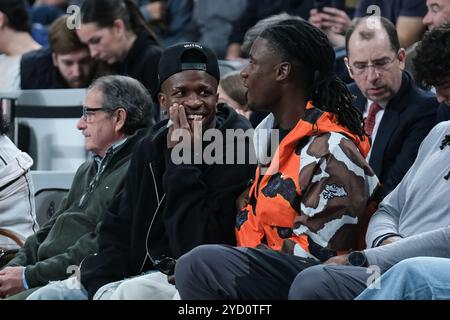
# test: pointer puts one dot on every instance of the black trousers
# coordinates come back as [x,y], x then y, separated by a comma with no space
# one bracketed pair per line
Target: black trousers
[224,272]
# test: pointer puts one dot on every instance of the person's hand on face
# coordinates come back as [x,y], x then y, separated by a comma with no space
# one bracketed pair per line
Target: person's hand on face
[332,19]
[179,121]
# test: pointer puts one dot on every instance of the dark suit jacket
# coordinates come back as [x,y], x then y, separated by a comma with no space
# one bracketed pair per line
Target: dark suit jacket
[407,119]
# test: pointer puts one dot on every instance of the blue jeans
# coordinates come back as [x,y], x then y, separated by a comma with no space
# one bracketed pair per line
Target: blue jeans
[69,289]
[422,278]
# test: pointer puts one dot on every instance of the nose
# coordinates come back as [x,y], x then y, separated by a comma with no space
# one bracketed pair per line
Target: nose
[193,101]
[372,73]
[76,70]
[81,124]
[427,20]
[94,52]
[244,72]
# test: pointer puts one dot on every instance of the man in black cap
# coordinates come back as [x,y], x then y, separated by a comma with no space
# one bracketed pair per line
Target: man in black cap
[170,203]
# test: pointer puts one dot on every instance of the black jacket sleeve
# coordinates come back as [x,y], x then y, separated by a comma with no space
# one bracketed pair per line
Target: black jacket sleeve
[200,204]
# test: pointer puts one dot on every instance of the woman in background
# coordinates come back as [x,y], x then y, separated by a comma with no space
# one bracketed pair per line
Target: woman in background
[116,33]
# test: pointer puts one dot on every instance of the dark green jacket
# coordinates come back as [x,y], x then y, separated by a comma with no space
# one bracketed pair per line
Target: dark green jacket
[71,234]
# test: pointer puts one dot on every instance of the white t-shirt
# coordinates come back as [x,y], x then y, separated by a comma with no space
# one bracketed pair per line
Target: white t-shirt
[9,72]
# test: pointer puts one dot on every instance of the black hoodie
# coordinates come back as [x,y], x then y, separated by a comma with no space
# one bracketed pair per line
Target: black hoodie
[167,209]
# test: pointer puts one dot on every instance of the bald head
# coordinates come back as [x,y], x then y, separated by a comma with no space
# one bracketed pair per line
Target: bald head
[368,28]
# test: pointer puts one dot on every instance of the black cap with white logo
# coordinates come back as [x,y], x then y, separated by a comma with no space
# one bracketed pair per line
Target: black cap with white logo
[187,56]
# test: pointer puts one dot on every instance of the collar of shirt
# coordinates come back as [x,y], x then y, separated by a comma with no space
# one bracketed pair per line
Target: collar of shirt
[111,150]
[369,102]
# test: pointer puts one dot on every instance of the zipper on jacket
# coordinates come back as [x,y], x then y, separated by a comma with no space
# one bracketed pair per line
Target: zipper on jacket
[147,252]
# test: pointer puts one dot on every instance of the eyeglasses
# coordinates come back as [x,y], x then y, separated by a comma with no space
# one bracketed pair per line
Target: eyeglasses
[89,112]
[360,68]
[166,265]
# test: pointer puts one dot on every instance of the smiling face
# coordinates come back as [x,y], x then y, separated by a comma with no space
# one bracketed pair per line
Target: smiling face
[378,84]
[196,91]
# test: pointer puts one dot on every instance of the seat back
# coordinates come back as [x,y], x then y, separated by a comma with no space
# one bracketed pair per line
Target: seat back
[50,189]
[45,127]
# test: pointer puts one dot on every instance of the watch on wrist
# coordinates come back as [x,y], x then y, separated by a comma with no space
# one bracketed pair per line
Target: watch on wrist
[357,259]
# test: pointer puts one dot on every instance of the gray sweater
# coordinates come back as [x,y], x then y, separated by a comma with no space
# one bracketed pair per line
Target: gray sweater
[418,209]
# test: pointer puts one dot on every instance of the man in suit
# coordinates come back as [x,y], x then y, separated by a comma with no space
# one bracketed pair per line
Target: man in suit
[398,115]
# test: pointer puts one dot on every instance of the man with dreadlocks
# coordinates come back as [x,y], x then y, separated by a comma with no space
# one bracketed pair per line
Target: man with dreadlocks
[305,203]
[416,213]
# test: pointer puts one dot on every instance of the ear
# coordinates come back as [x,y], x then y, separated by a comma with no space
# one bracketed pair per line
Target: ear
[118,26]
[347,64]
[121,118]
[283,71]
[402,58]
[54,59]
[162,98]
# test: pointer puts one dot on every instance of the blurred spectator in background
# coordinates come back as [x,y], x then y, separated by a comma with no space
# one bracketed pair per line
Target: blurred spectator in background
[232,92]
[15,40]
[432,66]
[45,12]
[254,31]
[405,14]
[213,22]
[66,64]
[170,19]
[116,32]
[257,10]
[438,13]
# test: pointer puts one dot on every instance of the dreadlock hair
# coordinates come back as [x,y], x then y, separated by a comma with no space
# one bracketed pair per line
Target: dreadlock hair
[303,45]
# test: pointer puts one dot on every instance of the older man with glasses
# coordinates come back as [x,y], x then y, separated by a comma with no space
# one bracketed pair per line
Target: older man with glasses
[398,115]
[115,116]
